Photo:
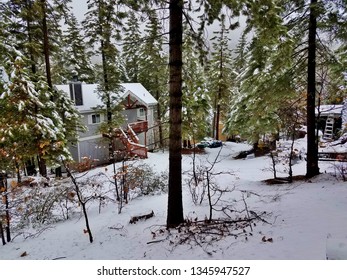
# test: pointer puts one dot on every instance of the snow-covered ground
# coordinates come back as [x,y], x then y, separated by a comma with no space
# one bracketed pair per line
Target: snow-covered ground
[301,218]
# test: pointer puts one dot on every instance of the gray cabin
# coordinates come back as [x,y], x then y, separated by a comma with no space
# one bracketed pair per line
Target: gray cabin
[137,135]
[329,120]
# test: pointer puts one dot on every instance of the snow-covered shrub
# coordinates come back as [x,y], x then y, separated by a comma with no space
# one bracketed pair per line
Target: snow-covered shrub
[38,205]
[341,170]
[204,185]
[283,158]
[197,184]
[142,180]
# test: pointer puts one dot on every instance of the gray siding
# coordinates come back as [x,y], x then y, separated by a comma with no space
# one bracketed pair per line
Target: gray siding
[130,115]
[74,152]
[96,149]
[92,129]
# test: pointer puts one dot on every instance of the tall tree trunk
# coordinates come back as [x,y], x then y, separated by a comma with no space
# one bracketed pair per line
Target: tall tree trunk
[42,165]
[175,204]
[220,89]
[217,121]
[312,168]
[105,76]
[4,190]
[112,156]
[214,120]
[105,45]
[32,57]
[2,236]
[58,170]
[46,45]
[30,39]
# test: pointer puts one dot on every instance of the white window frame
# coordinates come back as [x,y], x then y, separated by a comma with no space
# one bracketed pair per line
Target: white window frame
[90,118]
[141,113]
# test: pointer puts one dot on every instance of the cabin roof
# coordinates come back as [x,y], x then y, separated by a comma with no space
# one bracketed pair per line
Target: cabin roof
[91,97]
[326,110]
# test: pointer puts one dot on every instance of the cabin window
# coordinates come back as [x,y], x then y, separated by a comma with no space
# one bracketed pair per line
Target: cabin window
[76,93]
[94,119]
[141,113]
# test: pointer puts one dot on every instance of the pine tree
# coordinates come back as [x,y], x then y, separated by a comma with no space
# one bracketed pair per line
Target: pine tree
[153,69]
[281,55]
[312,168]
[30,124]
[130,54]
[30,81]
[196,100]
[211,12]
[102,25]
[175,204]
[221,74]
[25,27]
[265,79]
[74,55]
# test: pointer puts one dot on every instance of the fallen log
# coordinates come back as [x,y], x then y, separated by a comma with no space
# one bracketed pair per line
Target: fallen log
[135,219]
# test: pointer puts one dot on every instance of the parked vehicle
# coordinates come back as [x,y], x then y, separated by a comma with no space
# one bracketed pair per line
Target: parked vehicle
[216,144]
[209,143]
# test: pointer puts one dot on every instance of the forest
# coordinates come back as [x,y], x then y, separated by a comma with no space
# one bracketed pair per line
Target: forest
[256,88]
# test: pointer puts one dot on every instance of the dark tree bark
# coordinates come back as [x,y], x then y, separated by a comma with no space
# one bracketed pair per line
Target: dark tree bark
[217,120]
[175,205]
[4,187]
[2,236]
[220,90]
[312,168]
[214,120]
[46,44]
[105,74]
[42,162]
[30,39]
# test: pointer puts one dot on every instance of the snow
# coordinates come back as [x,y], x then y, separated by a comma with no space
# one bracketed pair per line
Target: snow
[139,91]
[325,110]
[337,146]
[303,218]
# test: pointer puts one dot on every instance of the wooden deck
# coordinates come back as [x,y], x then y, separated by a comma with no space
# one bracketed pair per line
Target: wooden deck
[332,156]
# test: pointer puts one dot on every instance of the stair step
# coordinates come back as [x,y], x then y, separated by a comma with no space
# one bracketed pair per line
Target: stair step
[329,128]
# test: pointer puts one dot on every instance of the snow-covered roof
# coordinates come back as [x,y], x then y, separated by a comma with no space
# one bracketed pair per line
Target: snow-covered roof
[325,110]
[138,91]
[91,97]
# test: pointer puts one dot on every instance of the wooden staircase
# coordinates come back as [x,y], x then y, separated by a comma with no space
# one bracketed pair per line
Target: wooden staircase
[130,140]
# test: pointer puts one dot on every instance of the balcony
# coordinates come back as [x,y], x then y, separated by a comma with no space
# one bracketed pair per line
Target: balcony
[139,127]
